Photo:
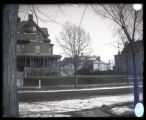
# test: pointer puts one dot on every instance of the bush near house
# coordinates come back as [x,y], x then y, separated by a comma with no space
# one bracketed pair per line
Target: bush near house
[109,72]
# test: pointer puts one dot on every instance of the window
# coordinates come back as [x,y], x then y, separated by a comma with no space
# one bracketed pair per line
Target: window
[50,50]
[34,29]
[37,49]
[18,48]
[29,29]
[23,46]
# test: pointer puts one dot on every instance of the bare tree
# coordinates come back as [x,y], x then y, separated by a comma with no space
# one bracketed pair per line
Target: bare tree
[10,104]
[74,41]
[38,13]
[129,24]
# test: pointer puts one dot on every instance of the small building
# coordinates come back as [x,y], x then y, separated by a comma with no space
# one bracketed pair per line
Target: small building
[67,67]
[123,60]
[34,50]
[101,66]
[92,63]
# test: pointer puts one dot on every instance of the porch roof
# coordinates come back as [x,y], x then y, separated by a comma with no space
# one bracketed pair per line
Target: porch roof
[39,55]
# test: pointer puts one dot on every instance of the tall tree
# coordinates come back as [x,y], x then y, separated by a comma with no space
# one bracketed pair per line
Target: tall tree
[129,24]
[74,41]
[10,104]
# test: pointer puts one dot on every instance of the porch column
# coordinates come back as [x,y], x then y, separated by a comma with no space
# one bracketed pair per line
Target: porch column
[24,66]
[39,83]
[30,61]
[32,65]
[44,61]
[25,61]
[22,82]
[47,62]
[33,61]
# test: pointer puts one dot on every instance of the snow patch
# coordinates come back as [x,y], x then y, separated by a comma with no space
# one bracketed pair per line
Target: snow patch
[121,110]
[57,107]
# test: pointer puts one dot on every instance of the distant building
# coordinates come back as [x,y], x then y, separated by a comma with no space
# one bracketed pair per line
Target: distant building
[92,63]
[67,67]
[101,66]
[34,51]
[123,61]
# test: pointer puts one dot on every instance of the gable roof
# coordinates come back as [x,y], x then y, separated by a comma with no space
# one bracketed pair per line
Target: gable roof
[44,31]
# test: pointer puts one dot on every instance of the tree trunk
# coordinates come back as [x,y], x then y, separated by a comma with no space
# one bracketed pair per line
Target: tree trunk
[75,67]
[76,79]
[135,79]
[10,104]
[127,69]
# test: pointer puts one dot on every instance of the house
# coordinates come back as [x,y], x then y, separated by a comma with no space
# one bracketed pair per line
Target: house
[67,67]
[92,63]
[101,66]
[123,60]
[34,50]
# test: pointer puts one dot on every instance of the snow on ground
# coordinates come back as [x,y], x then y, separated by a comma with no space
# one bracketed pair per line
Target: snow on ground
[121,110]
[53,107]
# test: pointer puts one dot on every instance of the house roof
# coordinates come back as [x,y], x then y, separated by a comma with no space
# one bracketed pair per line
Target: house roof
[41,55]
[44,31]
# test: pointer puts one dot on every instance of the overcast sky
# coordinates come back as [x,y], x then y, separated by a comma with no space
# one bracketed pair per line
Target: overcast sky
[101,31]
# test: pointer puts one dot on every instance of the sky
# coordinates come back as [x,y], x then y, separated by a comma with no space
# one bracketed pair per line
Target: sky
[103,38]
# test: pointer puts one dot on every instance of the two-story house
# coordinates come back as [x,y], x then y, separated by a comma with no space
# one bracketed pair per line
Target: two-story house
[90,63]
[34,51]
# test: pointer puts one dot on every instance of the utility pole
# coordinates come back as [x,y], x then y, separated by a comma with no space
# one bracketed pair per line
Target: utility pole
[83,15]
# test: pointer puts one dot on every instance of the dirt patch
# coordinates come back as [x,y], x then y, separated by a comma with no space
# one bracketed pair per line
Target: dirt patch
[104,111]
[95,112]
[123,109]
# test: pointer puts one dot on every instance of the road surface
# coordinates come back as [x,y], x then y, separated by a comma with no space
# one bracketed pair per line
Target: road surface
[50,95]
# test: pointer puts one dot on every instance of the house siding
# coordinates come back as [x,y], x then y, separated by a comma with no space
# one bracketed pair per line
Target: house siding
[34,51]
[123,61]
[44,48]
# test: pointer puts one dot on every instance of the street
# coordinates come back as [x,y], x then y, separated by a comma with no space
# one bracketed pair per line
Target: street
[77,102]
[50,95]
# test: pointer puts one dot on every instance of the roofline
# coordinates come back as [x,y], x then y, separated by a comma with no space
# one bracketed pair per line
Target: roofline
[41,30]
[39,54]
[46,36]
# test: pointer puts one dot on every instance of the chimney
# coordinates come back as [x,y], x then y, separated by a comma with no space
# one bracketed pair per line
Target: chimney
[30,17]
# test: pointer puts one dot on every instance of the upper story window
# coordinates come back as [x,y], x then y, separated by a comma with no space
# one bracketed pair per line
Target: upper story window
[23,46]
[37,49]
[50,50]
[29,29]
[34,29]
[18,49]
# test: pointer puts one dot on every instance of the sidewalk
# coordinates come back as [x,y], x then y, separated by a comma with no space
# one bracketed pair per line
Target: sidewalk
[80,86]
[77,89]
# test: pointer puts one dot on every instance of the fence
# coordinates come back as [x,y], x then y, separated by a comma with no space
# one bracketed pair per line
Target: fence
[57,81]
